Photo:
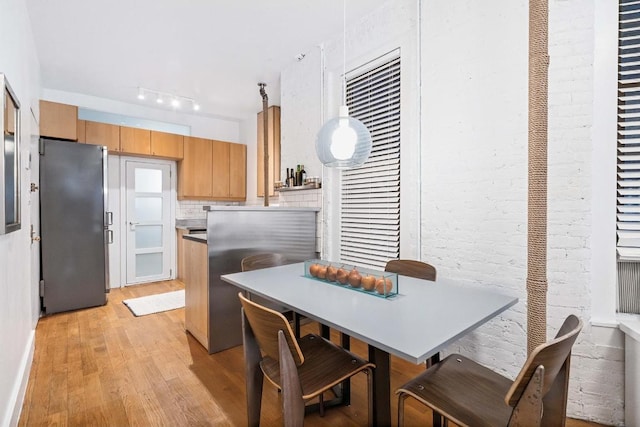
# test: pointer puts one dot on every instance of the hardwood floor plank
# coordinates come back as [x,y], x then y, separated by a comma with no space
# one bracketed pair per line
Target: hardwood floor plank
[105,367]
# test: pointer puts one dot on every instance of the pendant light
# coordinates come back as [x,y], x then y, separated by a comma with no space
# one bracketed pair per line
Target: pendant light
[343,142]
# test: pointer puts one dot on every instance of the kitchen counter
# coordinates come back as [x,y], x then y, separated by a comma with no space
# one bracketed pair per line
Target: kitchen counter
[197,237]
[191,224]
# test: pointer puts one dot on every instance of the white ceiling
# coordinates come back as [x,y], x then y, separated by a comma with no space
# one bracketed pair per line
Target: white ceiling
[215,51]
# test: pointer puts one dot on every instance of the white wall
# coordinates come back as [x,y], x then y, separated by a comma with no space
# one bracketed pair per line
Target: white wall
[472,78]
[18,295]
[475,117]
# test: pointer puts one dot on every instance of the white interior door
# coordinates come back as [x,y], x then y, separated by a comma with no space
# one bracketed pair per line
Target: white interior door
[148,222]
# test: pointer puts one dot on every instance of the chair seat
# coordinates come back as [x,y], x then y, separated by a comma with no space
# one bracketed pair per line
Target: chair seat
[463,391]
[325,366]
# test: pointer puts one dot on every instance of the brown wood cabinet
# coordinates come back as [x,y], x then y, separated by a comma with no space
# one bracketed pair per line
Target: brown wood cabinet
[238,171]
[135,140]
[212,170]
[196,290]
[194,171]
[273,136]
[180,253]
[167,145]
[103,134]
[58,120]
[81,130]
[220,170]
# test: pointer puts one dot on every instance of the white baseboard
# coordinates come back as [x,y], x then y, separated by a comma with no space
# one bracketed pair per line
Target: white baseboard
[20,387]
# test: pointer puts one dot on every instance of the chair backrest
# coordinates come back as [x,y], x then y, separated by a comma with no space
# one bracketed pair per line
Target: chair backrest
[265,324]
[552,355]
[408,267]
[258,261]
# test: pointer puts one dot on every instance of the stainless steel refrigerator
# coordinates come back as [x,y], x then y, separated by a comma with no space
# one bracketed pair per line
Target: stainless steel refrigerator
[74,225]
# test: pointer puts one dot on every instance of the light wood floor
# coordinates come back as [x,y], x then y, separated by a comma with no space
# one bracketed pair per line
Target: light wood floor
[105,367]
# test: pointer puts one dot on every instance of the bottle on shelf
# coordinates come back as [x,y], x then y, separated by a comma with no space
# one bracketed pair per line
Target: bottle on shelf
[302,174]
[286,178]
[298,176]
[291,182]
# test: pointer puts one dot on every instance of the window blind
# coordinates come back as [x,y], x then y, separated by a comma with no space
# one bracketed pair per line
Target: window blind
[370,194]
[628,171]
[628,162]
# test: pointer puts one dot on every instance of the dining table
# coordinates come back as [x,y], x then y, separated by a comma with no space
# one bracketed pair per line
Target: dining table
[423,318]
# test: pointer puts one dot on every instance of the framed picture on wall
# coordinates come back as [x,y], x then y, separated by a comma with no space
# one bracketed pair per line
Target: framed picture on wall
[9,159]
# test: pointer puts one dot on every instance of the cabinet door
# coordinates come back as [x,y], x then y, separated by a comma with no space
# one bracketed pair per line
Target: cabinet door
[81,130]
[220,169]
[194,171]
[58,120]
[167,145]
[135,140]
[238,171]
[196,291]
[103,134]
[273,140]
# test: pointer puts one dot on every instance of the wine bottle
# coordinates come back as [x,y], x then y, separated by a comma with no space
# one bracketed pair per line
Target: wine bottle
[292,179]
[302,174]
[298,176]
[286,178]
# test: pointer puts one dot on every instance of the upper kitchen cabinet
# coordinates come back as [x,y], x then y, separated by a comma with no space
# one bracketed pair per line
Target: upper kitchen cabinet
[238,171]
[103,134]
[212,170]
[229,171]
[273,140]
[135,140]
[81,130]
[58,120]
[167,145]
[194,171]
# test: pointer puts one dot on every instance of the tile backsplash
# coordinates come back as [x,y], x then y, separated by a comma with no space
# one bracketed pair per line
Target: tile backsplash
[193,209]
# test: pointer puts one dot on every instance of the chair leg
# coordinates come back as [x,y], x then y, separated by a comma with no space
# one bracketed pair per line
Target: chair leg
[253,375]
[401,398]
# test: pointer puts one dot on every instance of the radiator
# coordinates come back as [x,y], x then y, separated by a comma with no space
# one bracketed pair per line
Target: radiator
[629,287]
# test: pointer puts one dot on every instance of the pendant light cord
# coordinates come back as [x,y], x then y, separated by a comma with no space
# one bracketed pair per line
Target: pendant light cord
[344,52]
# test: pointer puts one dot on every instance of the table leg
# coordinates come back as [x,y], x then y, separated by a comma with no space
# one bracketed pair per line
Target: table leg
[345,342]
[381,387]
[325,331]
[437,418]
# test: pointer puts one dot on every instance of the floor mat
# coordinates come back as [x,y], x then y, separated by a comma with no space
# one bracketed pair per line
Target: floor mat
[156,303]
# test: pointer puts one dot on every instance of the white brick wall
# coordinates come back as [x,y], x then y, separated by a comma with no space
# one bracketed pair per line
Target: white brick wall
[472,206]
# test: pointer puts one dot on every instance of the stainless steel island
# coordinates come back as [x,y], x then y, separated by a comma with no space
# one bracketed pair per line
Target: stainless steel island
[234,232]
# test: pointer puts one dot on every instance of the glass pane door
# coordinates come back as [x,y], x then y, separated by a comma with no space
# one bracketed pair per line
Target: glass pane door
[148,222]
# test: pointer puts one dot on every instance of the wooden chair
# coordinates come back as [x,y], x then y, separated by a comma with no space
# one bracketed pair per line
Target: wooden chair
[302,369]
[471,395]
[266,260]
[256,262]
[408,267]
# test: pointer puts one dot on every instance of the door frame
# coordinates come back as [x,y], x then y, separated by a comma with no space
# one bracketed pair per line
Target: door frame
[122,226]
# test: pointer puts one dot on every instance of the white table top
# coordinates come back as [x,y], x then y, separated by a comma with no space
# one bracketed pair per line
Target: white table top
[419,322]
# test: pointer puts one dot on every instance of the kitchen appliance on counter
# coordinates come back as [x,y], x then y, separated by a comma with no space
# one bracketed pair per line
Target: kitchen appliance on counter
[74,225]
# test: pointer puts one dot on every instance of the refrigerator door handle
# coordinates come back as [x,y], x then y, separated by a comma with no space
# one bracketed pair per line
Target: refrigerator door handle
[109,237]
[109,218]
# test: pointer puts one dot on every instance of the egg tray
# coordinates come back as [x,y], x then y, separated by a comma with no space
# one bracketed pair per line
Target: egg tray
[364,285]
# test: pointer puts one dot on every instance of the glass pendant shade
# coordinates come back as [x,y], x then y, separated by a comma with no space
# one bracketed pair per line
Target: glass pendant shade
[343,142]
